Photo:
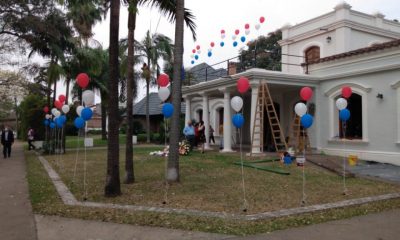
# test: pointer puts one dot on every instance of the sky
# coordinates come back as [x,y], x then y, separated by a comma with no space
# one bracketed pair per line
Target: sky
[214,15]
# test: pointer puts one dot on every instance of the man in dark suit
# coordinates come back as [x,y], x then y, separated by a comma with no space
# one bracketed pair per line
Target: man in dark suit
[7,139]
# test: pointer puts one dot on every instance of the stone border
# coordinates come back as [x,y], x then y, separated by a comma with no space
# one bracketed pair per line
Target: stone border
[69,199]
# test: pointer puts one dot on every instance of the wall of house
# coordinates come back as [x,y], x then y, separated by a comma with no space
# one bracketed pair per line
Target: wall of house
[380,117]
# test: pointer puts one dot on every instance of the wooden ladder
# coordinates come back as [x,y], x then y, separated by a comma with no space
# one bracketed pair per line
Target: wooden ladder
[264,101]
[298,139]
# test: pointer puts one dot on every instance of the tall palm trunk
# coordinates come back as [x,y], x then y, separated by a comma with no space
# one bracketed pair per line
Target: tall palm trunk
[147,108]
[113,185]
[172,174]
[103,116]
[130,175]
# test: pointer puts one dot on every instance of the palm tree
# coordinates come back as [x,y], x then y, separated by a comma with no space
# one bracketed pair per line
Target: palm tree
[173,158]
[153,47]
[113,186]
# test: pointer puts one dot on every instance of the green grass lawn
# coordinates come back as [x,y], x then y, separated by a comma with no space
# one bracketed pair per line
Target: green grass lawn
[75,141]
[208,182]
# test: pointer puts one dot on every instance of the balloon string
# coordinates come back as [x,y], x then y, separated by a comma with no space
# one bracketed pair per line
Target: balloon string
[84,167]
[344,157]
[245,204]
[303,200]
[76,158]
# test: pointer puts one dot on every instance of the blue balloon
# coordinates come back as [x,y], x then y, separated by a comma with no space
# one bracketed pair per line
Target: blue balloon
[243,39]
[222,44]
[306,120]
[59,122]
[209,54]
[63,119]
[52,125]
[344,114]
[235,43]
[196,57]
[46,122]
[192,61]
[168,110]
[86,114]
[238,120]
[79,122]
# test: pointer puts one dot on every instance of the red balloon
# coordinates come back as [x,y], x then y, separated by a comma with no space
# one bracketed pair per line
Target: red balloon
[246,26]
[212,44]
[82,80]
[61,98]
[243,85]
[222,31]
[46,109]
[237,31]
[163,80]
[346,91]
[194,51]
[306,93]
[57,104]
[198,47]
[262,19]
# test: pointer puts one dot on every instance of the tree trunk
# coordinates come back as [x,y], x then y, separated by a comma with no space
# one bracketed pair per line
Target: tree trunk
[103,116]
[68,81]
[147,109]
[113,185]
[130,174]
[172,173]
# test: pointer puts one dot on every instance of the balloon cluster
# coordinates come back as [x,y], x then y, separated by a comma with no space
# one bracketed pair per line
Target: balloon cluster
[163,94]
[300,108]
[57,118]
[235,38]
[237,102]
[341,104]
[84,112]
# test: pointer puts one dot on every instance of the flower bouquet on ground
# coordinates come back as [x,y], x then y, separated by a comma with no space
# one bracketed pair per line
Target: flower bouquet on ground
[184,147]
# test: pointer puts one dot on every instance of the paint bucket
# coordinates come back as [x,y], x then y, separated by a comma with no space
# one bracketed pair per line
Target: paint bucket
[300,161]
[352,159]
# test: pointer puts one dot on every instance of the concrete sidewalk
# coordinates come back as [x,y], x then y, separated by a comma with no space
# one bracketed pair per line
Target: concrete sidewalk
[16,218]
[379,226]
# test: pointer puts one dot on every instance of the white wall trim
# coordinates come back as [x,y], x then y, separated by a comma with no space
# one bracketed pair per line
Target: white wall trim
[361,87]
[395,85]
[384,157]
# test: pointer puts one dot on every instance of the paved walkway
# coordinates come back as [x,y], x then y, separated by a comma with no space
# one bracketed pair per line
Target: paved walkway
[16,219]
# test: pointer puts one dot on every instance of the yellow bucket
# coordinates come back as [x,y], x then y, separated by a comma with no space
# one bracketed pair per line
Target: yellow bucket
[352,159]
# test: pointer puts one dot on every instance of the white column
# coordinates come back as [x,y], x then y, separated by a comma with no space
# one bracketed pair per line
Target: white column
[254,94]
[227,122]
[188,110]
[398,114]
[206,118]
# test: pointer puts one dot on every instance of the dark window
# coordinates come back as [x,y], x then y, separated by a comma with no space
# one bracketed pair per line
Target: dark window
[352,129]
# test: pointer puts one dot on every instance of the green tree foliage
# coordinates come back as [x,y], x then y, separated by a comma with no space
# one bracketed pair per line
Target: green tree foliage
[264,52]
[31,115]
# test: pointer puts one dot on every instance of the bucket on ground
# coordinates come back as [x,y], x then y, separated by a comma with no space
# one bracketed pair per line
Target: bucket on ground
[352,159]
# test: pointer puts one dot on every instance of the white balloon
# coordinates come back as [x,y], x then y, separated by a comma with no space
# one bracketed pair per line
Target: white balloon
[163,93]
[247,31]
[88,97]
[53,111]
[209,49]
[341,103]
[192,56]
[79,110]
[300,109]
[57,114]
[237,103]
[198,51]
[233,37]
[257,26]
[65,108]
[222,36]
[48,116]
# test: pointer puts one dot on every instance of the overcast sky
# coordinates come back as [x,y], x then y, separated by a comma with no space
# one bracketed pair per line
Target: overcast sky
[214,15]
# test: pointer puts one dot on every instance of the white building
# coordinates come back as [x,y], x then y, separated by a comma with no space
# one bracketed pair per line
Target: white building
[342,47]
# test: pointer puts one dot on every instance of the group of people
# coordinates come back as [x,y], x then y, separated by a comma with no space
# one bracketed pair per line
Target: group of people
[195,134]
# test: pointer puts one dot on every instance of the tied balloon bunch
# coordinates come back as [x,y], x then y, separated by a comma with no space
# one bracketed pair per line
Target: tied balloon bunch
[57,118]
[300,108]
[237,102]
[163,94]
[196,51]
[341,104]
[84,112]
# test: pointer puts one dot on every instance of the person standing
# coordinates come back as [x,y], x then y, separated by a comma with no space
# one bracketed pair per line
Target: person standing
[7,139]
[211,135]
[31,138]
[202,136]
[188,131]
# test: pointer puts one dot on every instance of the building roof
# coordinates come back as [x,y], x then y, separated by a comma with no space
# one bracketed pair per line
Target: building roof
[203,70]
[155,106]
[375,47]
